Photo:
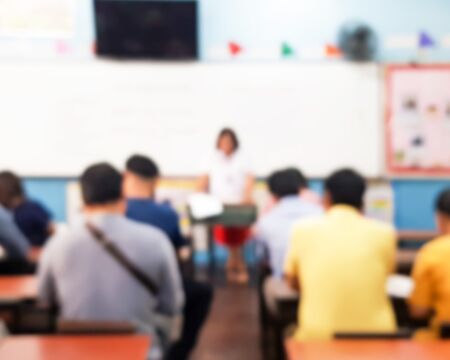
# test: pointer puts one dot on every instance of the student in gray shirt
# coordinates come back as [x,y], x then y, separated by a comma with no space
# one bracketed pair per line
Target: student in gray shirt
[88,283]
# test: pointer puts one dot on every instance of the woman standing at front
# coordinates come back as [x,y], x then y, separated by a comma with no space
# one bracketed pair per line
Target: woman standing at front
[229,179]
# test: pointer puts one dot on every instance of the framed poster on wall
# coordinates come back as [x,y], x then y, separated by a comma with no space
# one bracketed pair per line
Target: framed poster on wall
[418,120]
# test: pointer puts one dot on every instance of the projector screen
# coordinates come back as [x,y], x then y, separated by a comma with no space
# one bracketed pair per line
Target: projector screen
[59,117]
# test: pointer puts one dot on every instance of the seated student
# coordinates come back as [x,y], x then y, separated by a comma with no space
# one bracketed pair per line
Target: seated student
[30,216]
[140,181]
[87,283]
[431,274]
[14,247]
[304,191]
[274,228]
[139,187]
[340,264]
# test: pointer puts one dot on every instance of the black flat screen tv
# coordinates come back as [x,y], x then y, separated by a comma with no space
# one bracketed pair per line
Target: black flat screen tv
[146,29]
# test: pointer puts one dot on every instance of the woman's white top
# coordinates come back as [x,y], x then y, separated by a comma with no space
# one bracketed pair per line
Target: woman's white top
[228,177]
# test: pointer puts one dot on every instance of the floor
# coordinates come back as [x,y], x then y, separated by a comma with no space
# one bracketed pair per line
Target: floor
[232,331]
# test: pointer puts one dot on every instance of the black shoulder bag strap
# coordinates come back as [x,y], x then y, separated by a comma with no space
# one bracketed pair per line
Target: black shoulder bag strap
[115,252]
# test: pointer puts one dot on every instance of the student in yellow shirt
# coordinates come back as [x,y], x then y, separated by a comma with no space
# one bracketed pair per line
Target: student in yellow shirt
[431,274]
[340,264]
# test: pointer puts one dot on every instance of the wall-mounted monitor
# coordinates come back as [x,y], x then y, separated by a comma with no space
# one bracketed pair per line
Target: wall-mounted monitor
[146,29]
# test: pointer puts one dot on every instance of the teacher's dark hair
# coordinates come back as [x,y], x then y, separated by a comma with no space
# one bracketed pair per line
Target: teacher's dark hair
[232,134]
[346,187]
[101,184]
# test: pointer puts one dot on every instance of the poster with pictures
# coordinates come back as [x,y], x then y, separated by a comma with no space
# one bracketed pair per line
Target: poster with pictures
[418,120]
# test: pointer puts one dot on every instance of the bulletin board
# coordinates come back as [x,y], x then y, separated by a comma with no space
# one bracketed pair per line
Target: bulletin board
[418,120]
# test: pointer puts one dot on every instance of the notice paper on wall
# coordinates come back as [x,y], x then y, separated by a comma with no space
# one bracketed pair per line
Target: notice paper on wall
[37,18]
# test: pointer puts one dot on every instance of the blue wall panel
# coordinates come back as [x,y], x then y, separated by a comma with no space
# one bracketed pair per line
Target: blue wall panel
[51,193]
[415,201]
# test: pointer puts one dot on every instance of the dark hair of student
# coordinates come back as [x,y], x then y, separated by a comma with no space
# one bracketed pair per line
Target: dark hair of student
[142,166]
[283,183]
[346,187]
[301,179]
[232,134]
[101,184]
[11,188]
[443,202]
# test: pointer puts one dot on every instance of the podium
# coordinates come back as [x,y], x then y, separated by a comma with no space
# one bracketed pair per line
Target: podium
[232,216]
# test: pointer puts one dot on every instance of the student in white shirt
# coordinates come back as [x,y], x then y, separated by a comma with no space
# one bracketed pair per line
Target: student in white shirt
[274,228]
[229,178]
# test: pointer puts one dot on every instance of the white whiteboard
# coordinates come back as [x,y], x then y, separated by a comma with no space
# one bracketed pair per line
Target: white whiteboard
[56,118]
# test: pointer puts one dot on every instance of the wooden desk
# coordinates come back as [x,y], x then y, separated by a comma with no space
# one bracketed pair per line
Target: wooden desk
[410,235]
[133,347]
[405,261]
[233,215]
[241,216]
[406,256]
[368,350]
[17,288]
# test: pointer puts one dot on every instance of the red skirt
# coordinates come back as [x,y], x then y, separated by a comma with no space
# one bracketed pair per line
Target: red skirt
[231,236]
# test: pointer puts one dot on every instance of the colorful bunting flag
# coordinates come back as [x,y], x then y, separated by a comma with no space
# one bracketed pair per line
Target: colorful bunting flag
[287,50]
[235,49]
[425,40]
[332,51]
[62,47]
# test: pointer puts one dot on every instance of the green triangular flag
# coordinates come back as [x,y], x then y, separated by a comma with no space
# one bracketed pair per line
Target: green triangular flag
[286,50]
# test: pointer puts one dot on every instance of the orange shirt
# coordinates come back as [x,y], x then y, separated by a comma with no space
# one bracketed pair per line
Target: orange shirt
[431,275]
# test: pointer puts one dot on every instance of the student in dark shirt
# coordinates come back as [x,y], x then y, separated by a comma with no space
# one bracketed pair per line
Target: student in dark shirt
[33,220]
[139,187]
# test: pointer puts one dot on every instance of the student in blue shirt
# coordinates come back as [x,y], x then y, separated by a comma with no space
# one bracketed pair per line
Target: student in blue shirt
[139,187]
[141,179]
[33,219]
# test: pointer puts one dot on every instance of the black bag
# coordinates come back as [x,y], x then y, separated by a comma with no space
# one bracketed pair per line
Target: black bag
[115,252]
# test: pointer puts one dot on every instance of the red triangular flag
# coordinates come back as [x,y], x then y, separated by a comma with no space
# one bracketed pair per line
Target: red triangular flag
[62,47]
[234,48]
[332,51]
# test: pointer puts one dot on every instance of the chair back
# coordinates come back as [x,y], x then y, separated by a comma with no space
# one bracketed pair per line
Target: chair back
[445,331]
[75,327]
[399,335]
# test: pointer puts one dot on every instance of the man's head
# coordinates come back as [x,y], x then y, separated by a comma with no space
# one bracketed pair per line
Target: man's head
[283,183]
[301,179]
[345,187]
[11,190]
[443,211]
[141,177]
[101,188]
